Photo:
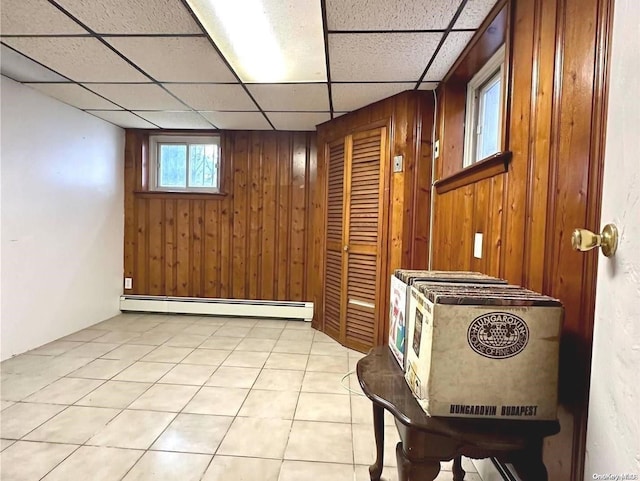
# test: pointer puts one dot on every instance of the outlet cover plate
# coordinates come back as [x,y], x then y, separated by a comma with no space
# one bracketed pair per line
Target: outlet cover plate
[397,163]
[128,283]
[477,245]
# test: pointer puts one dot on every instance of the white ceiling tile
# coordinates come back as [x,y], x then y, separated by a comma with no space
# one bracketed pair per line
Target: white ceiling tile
[297,120]
[132,16]
[474,13]
[75,95]
[176,120]
[428,86]
[35,17]
[22,69]
[81,59]
[291,97]
[138,96]
[380,57]
[122,118]
[348,97]
[267,40]
[386,15]
[213,96]
[448,54]
[175,59]
[238,120]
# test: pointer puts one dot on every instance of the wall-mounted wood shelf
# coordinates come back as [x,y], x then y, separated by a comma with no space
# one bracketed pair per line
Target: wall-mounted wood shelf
[491,166]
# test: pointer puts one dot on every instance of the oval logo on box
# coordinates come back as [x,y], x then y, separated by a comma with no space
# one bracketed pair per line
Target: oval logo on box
[498,335]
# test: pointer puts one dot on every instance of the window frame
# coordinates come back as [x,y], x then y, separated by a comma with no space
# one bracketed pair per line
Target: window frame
[494,68]
[155,141]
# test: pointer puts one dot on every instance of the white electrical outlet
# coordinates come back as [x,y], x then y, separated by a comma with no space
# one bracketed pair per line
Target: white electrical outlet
[436,149]
[477,245]
[128,283]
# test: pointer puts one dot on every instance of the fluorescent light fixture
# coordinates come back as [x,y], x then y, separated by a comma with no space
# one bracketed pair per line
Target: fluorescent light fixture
[267,41]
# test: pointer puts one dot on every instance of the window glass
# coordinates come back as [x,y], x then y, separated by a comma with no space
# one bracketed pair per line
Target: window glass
[489,121]
[483,117]
[184,163]
[203,163]
[173,165]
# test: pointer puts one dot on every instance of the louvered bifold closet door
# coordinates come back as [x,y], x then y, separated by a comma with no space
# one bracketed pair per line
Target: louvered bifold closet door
[364,232]
[333,302]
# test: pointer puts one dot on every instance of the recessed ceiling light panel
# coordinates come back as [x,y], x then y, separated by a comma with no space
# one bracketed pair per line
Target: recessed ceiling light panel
[267,41]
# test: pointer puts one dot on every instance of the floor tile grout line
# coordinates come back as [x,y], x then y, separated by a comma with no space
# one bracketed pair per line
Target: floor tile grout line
[308,353]
[62,461]
[42,423]
[83,443]
[96,407]
[151,444]
[64,404]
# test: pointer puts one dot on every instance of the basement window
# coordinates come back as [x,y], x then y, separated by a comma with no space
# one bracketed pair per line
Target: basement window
[184,164]
[483,123]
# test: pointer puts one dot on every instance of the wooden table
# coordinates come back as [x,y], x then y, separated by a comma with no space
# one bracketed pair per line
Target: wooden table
[426,441]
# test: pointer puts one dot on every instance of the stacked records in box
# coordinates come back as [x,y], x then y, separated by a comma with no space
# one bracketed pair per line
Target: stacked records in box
[401,283]
[410,276]
[483,294]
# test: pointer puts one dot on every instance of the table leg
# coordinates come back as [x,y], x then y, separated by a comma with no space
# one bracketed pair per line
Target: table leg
[415,471]
[529,464]
[458,472]
[375,470]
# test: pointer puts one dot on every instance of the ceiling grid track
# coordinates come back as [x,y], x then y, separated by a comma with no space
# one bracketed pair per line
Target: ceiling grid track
[123,57]
[226,62]
[91,34]
[323,8]
[79,85]
[330,57]
[355,32]
[442,40]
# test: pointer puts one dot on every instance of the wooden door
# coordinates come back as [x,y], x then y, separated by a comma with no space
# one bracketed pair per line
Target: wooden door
[364,237]
[356,238]
[333,313]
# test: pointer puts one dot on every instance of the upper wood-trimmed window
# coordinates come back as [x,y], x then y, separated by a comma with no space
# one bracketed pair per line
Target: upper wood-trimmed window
[484,111]
[184,163]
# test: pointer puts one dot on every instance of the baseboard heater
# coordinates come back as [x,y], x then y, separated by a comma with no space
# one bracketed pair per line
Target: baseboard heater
[218,307]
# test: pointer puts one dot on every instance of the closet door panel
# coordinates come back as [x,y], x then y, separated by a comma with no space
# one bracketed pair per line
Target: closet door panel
[365,204]
[333,279]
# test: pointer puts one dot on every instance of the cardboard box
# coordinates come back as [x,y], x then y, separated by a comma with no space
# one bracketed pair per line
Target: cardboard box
[401,282]
[482,351]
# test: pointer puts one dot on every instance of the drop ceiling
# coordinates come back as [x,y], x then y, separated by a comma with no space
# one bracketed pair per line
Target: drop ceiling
[155,64]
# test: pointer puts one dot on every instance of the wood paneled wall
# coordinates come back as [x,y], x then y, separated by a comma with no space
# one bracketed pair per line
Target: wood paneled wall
[250,242]
[556,100]
[462,212]
[409,120]
[475,206]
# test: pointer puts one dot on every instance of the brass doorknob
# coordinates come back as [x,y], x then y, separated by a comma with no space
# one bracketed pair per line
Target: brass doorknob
[585,240]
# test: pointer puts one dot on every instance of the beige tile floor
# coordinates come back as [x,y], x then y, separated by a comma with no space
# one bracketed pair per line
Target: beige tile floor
[160,397]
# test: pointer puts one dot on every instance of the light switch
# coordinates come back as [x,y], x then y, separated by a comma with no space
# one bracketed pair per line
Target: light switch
[477,245]
[397,163]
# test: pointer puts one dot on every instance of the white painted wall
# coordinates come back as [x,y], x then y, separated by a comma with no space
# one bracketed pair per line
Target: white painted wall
[613,430]
[62,218]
